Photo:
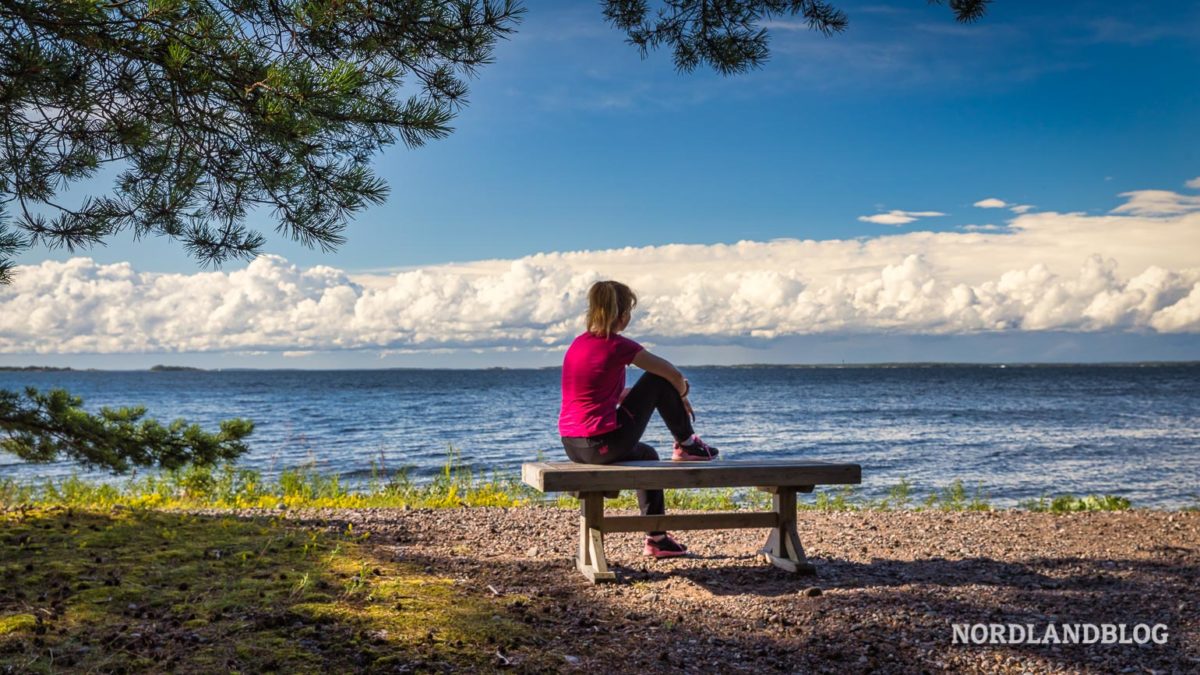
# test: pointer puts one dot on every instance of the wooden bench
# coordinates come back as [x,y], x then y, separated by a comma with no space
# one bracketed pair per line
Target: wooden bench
[783,478]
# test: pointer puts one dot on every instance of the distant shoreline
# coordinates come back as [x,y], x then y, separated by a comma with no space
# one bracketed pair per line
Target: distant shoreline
[744,366]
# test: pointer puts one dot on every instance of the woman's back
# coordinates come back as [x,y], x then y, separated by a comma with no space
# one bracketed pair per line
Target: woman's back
[593,376]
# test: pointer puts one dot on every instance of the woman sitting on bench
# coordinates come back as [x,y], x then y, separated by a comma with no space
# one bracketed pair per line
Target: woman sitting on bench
[602,422]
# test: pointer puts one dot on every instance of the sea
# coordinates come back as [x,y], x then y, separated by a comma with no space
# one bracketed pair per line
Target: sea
[1008,432]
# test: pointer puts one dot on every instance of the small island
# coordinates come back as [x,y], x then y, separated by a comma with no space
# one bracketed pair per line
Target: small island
[162,368]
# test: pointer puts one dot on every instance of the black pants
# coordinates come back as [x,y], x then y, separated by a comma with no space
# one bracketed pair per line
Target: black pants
[623,444]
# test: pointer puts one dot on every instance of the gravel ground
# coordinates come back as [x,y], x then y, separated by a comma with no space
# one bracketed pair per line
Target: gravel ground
[890,586]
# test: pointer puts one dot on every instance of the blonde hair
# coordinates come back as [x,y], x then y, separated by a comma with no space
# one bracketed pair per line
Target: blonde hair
[608,301]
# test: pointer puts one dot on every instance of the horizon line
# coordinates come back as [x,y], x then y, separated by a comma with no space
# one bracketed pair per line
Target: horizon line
[843,364]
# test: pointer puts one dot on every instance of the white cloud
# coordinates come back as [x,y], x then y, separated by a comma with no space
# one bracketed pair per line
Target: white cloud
[1194,183]
[1157,203]
[991,203]
[1128,270]
[994,203]
[898,217]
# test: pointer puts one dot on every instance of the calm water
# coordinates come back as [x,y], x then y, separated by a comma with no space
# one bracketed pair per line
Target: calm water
[1020,431]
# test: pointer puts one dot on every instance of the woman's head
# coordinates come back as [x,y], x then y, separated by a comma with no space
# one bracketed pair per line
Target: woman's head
[609,306]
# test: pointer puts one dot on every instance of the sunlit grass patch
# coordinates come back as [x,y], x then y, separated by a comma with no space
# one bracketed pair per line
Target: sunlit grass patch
[121,589]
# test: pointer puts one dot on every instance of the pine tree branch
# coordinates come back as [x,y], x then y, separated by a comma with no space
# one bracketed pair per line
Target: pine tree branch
[215,109]
[728,35]
[41,428]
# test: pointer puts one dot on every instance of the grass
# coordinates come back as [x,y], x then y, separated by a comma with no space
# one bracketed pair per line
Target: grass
[123,589]
[954,498]
[457,485]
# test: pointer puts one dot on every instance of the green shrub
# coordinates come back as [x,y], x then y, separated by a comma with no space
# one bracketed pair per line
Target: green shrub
[1072,504]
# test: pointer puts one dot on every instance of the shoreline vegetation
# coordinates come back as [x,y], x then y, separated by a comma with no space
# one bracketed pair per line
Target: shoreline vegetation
[228,486]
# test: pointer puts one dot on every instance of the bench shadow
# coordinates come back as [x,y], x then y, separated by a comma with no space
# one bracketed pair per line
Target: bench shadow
[717,612]
[901,610]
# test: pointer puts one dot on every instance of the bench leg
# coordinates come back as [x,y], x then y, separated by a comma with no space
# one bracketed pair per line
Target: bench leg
[591,560]
[783,548]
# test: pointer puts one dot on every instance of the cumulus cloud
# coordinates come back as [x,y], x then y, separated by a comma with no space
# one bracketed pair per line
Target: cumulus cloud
[1127,270]
[991,203]
[1194,183]
[895,217]
[1021,208]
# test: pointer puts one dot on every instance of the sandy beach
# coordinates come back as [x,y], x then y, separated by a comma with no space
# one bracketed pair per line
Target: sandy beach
[890,587]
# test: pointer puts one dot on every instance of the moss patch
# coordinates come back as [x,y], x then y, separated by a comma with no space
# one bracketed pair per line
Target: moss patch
[16,623]
[133,589]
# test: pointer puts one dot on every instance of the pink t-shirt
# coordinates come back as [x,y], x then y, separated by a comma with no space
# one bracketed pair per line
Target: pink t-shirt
[593,376]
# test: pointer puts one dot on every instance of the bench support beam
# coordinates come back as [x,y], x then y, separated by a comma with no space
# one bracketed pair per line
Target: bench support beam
[591,560]
[783,548]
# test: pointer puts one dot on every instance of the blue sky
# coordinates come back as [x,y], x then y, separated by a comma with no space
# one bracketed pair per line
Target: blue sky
[572,142]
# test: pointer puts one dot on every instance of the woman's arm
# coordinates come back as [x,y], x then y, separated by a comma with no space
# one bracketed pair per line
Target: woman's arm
[663,368]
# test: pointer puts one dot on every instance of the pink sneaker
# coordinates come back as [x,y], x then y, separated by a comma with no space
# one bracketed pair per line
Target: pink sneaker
[696,451]
[664,547]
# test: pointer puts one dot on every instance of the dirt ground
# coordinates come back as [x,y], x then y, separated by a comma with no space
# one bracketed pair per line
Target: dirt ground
[889,589]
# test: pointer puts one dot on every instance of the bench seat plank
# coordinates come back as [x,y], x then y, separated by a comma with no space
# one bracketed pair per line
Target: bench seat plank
[573,477]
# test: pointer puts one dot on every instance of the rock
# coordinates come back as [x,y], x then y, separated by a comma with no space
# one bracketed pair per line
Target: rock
[811,591]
